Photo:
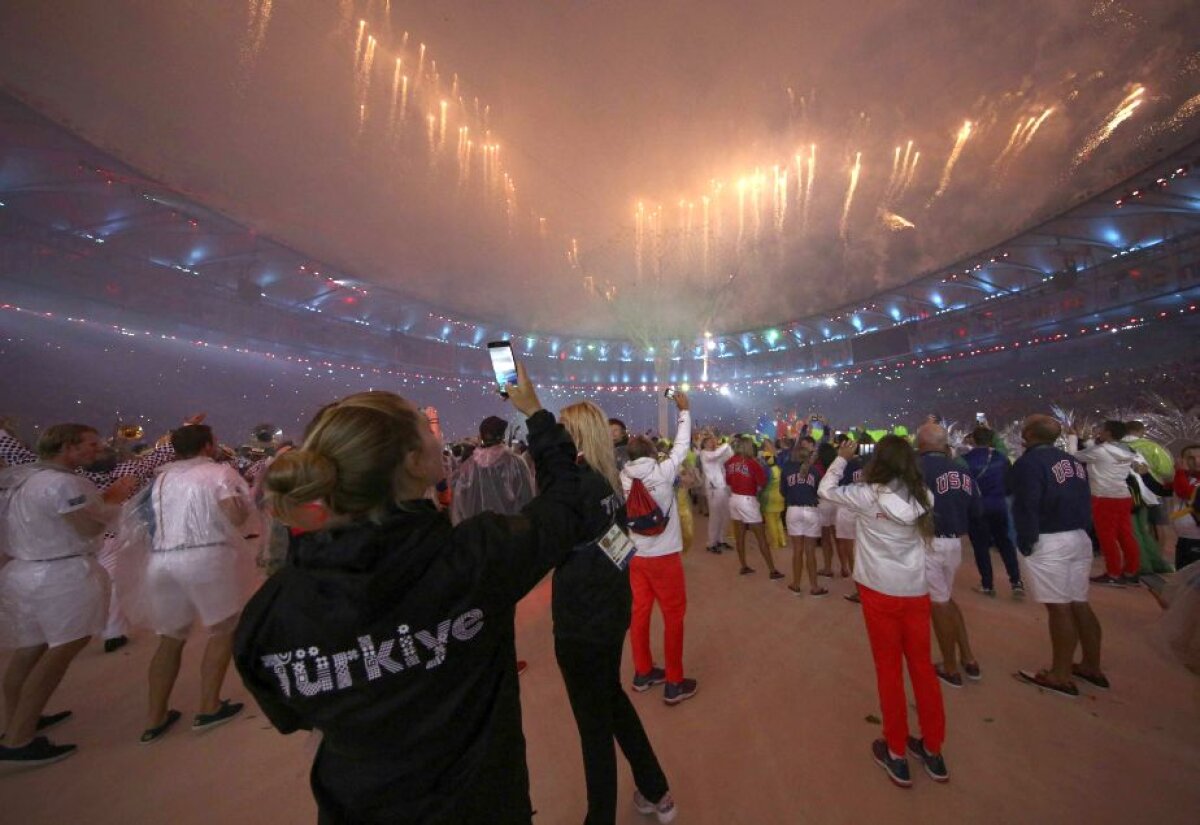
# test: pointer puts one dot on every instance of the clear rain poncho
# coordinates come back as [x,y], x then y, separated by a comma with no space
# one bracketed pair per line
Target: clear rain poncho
[195,534]
[494,479]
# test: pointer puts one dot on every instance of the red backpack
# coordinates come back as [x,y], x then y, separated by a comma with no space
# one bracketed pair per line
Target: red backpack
[644,515]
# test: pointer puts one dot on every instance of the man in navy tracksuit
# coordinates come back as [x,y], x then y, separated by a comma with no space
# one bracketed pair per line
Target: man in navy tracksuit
[991,470]
[1052,509]
[955,504]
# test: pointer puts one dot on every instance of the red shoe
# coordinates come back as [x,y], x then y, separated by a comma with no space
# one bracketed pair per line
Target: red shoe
[521,665]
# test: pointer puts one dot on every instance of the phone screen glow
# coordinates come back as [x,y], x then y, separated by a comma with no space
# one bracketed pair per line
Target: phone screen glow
[503,363]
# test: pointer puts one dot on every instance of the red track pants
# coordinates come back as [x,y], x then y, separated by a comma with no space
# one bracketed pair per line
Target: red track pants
[1113,519]
[898,627]
[658,578]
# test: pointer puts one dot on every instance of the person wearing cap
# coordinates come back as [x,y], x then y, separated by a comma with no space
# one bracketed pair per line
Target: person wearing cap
[493,480]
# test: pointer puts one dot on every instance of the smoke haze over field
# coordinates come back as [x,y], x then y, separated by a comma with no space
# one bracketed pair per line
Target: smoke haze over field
[735,126]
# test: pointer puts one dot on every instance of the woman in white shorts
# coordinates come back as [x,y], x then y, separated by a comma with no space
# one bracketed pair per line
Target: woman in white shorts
[746,479]
[798,483]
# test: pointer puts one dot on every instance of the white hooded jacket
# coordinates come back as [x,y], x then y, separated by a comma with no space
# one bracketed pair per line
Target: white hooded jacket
[659,478]
[889,550]
[1109,464]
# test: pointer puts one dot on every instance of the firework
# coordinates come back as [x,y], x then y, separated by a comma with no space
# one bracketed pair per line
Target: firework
[1122,113]
[259,14]
[395,97]
[854,172]
[808,181]
[442,108]
[895,222]
[1037,124]
[963,134]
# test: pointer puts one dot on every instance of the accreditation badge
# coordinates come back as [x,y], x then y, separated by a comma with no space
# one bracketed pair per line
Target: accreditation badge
[617,546]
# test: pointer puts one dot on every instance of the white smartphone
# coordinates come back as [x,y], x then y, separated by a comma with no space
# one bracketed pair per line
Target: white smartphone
[980,418]
[503,364]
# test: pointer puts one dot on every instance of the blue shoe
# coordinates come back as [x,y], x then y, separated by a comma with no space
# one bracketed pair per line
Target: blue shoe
[676,692]
[642,682]
[897,769]
[934,764]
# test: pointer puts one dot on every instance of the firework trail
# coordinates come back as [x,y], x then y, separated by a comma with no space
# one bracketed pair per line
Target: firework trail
[854,172]
[1017,132]
[894,177]
[395,99]
[895,222]
[259,14]
[963,134]
[910,174]
[1037,124]
[1122,113]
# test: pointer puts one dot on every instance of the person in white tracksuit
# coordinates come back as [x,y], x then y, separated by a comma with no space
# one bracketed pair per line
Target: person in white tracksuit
[712,461]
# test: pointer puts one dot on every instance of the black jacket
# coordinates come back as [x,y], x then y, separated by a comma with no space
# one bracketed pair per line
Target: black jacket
[592,600]
[395,640]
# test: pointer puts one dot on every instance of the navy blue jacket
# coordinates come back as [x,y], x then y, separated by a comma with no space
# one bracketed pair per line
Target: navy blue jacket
[1050,495]
[798,490]
[853,474]
[991,469]
[955,495]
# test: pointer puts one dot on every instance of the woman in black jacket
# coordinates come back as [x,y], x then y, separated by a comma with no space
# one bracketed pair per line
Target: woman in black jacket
[391,632]
[591,607]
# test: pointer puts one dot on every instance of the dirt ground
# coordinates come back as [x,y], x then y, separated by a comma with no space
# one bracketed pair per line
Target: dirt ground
[778,733]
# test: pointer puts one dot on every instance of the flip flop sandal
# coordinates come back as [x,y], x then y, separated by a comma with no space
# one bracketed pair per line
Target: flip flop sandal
[151,735]
[799,591]
[745,571]
[1040,680]
[820,591]
[1095,681]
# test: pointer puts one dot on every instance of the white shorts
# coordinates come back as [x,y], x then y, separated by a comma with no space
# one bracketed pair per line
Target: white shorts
[845,524]
[803,521]
[183,585]
[828,511]
[745,509]
[52,602]
[941,564]
[1057,571]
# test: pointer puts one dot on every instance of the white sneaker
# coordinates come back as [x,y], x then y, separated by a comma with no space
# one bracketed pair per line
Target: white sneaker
[665,808]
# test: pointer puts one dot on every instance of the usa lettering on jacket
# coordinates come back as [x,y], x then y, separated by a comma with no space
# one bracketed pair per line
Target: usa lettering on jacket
[313,672]
[953,480]
[1068,468]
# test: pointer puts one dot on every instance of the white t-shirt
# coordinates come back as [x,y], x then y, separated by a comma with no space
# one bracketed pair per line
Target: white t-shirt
[37,527]
[186,499]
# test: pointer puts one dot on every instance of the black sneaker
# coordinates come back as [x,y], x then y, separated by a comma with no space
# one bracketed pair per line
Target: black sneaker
[897,769]
[207,721]
[40,751]
[776,575]
[714,548]
[115,643]
[1105,579]
[985,591]
[642,682]
[1018,590]
[954,680]
[1132,581]
[676,692]
[935,765]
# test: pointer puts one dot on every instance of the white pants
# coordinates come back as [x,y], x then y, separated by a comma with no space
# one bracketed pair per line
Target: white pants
[52,602]
[745,509]
[117,624]
[183,585]
[941,564]
[845,524]
[718,513]
[803,521]
[1057,571]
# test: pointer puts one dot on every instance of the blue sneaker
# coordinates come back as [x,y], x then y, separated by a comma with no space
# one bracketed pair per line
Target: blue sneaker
[676,692]
[934,764]
[897,769]
[642,682]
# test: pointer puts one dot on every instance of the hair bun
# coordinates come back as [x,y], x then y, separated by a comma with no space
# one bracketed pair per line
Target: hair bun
[298,477]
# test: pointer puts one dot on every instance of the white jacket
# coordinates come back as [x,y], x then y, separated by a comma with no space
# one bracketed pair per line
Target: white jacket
[889,555]
[712,463]
[1109,464]
[659,478]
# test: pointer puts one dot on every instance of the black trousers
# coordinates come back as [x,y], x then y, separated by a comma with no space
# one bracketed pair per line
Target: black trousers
[1187,551]
[592,674]
[992,530]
